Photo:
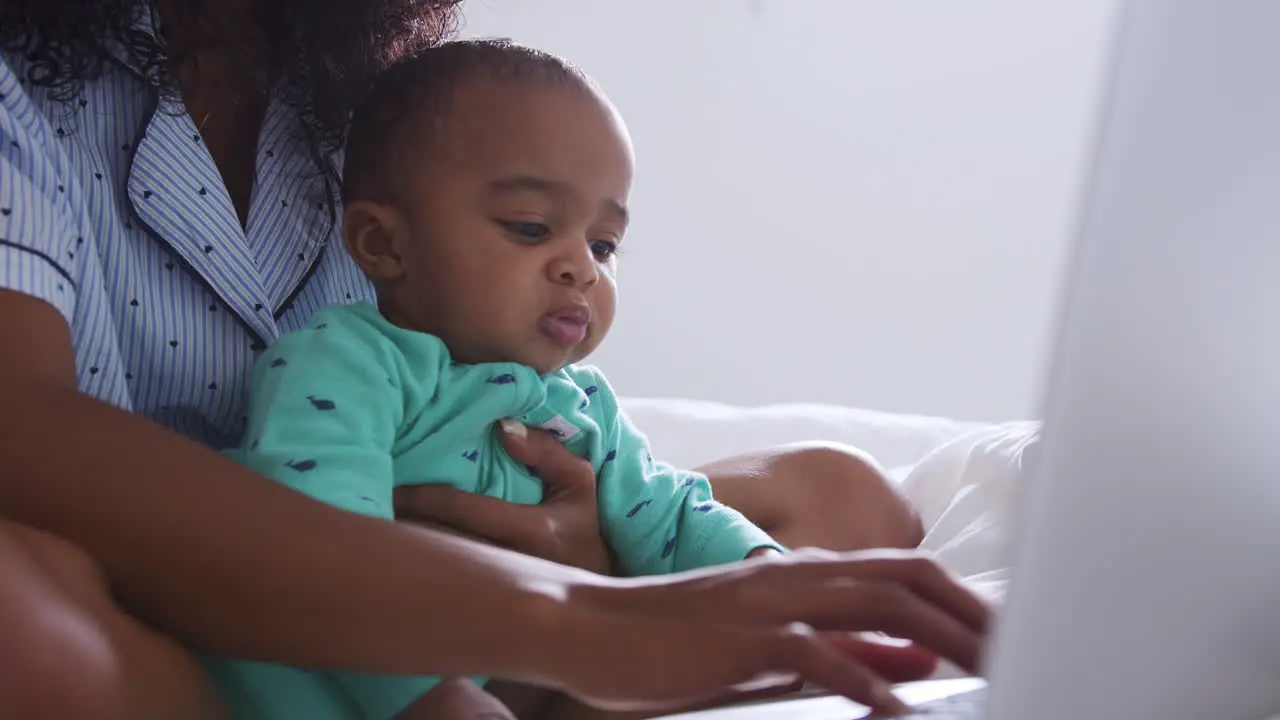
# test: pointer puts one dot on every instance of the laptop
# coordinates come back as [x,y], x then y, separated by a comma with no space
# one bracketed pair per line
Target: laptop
[1146,575]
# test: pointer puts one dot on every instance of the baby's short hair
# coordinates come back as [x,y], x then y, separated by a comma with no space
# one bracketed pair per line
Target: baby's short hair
[407,99]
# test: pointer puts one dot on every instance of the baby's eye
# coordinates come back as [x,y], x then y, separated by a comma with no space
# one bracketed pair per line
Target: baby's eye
[527,231]
[604,249]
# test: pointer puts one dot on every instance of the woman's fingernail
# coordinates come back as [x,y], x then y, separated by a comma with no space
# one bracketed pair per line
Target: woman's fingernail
[885,639]
[515,428]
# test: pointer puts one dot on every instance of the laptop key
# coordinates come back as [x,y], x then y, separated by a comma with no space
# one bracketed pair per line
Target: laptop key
[963,706]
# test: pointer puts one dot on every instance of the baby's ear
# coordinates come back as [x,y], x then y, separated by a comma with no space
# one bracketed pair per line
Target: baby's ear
[372,232]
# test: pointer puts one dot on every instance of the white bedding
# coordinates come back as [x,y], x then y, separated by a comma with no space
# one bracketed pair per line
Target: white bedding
[691,432]
[961,475]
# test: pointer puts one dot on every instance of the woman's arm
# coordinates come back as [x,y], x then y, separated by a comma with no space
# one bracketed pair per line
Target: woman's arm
[232,563]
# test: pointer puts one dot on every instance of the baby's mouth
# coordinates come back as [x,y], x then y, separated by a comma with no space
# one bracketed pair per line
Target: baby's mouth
[566,327]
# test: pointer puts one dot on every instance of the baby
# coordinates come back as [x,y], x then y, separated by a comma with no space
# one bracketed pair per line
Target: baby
[485,192]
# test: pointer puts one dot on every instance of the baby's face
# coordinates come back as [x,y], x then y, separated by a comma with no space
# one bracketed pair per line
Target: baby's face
[520,209]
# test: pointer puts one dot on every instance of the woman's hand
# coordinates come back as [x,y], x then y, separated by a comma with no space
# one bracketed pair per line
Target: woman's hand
[763,622]
[564,528]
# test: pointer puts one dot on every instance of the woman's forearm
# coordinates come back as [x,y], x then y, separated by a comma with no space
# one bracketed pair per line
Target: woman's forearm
[231,563]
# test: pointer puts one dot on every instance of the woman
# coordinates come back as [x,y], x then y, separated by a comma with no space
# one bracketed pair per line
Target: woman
[166,201]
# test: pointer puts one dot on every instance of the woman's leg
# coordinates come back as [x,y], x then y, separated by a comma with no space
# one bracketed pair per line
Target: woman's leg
[825,495]
[70,651]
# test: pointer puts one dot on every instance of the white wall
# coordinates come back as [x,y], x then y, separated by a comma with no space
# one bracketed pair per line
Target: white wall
[856,201]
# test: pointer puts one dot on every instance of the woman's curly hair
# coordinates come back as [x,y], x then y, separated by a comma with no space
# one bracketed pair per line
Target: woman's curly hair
[323,54]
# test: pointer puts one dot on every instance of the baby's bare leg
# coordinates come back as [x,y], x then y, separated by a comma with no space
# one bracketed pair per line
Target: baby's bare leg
[824,495]
[457,699]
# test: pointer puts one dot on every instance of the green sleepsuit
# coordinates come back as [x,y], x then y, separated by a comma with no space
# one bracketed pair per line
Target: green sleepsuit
[352,406]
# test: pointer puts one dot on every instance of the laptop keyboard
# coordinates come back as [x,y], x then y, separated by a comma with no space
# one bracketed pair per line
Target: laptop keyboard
[964,706]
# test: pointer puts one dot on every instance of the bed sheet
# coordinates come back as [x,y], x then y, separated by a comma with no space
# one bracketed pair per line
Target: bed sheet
[691,432]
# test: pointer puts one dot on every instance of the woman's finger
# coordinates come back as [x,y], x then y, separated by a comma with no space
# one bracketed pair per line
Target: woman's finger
[895,663]
[488,518]
[799,649]
[927,579]
[559,470]
[904,595]
[909,569]
[890,608]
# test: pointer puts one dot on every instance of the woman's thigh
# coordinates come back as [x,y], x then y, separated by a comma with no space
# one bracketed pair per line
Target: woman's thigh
[70,651]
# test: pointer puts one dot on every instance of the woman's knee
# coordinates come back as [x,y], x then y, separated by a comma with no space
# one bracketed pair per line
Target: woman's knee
[57,661]
[818,494]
